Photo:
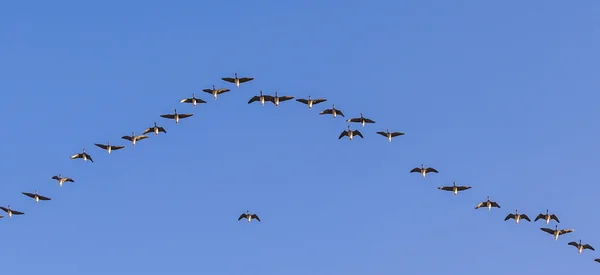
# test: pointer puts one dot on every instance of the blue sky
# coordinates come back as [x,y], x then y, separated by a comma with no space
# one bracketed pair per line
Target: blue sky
[501,96]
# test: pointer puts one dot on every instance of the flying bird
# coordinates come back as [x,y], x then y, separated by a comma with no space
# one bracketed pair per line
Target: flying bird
[488,203]
[276,99]
[517,217]
[10,211]
[214,91]
[61,180]
[423,171]
[581,247]
[83,155]
[154,129]
[249,216]
[176,116]
[237,80]
[36,196]
[109,147]
[556,232]
[192,100]
[310,102]
[455,189]
[350,134]
[361,119]
[133,138]
[547,217]
[333,111]
[389,135]
[262,98]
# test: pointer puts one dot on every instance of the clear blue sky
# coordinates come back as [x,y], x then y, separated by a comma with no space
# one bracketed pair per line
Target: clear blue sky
[502,96]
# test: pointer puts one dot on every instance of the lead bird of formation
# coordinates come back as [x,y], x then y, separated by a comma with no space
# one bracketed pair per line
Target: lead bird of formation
[310,102]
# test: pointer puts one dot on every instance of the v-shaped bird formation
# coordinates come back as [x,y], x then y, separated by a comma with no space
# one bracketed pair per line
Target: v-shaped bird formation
[310,102]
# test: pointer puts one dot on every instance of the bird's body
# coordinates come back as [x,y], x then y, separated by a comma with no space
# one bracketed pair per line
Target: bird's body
[488,203]
[454,188]
[518,217]
[333,111]
[62,180]
[547,217]
[556,232]
[362,120]
[176,116]
[192,100]
[350,133]
[133,138]
[36,196]
[310,102]
[156,129]
[83,155]
[11,212]
[249,216]
[237,80]
[581,247]
[214,91]
[389,135]
[423,171]
[109,147]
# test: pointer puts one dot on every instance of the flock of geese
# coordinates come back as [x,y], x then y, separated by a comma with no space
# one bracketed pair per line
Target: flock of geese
[310,102]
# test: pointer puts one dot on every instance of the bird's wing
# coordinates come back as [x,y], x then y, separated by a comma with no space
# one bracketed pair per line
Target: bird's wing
[185,115]
[199,100]
[4,209]
[229,79]
[587,246]
[302,100]
[127,138]
[89,157]
[555,218]
[358,133]
[254,98]
[224,90]
[210,91]
[319,100]
[43,198]
[55,178]
[269,98]
[69,179]
[326,112]
[565,231]
[382,133]
[16,212]
[161,129]
[547,230]
[101,145]
[430,170]
[344,133]
[245,79]
[151,129]
[169,116]
[525,217]
[284,98]
[243,216]
[28,194]
[480,205]
[140,137]
[254,216]
[597,260]
[572,243]
[117,147]
[462,188]
[368,120]
[539,216]
[395,134]
[495,204]
[509,216]
[446,188]
[353,120]
[340,113]
[416,170]
[186,100]
[76,156]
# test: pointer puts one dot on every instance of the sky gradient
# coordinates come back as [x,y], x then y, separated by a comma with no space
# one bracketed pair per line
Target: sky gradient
[501,96]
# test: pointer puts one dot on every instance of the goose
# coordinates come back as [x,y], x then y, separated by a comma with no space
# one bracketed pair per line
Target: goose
[154,129]
[36,196]
[109,147]
[311,101]
[192,100]
[61,180]
[176,116]
[262,98]
[276,99]
[489,204]
[214,91]
[423,170]
[237,80]
[350,133]
[333,111]
[547,217]
[361,119]
[517,217]
[389,135]
[556,232]
[10,211]
[133,138]
[581,247]
[83,155]
[455,189]
[249,216]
